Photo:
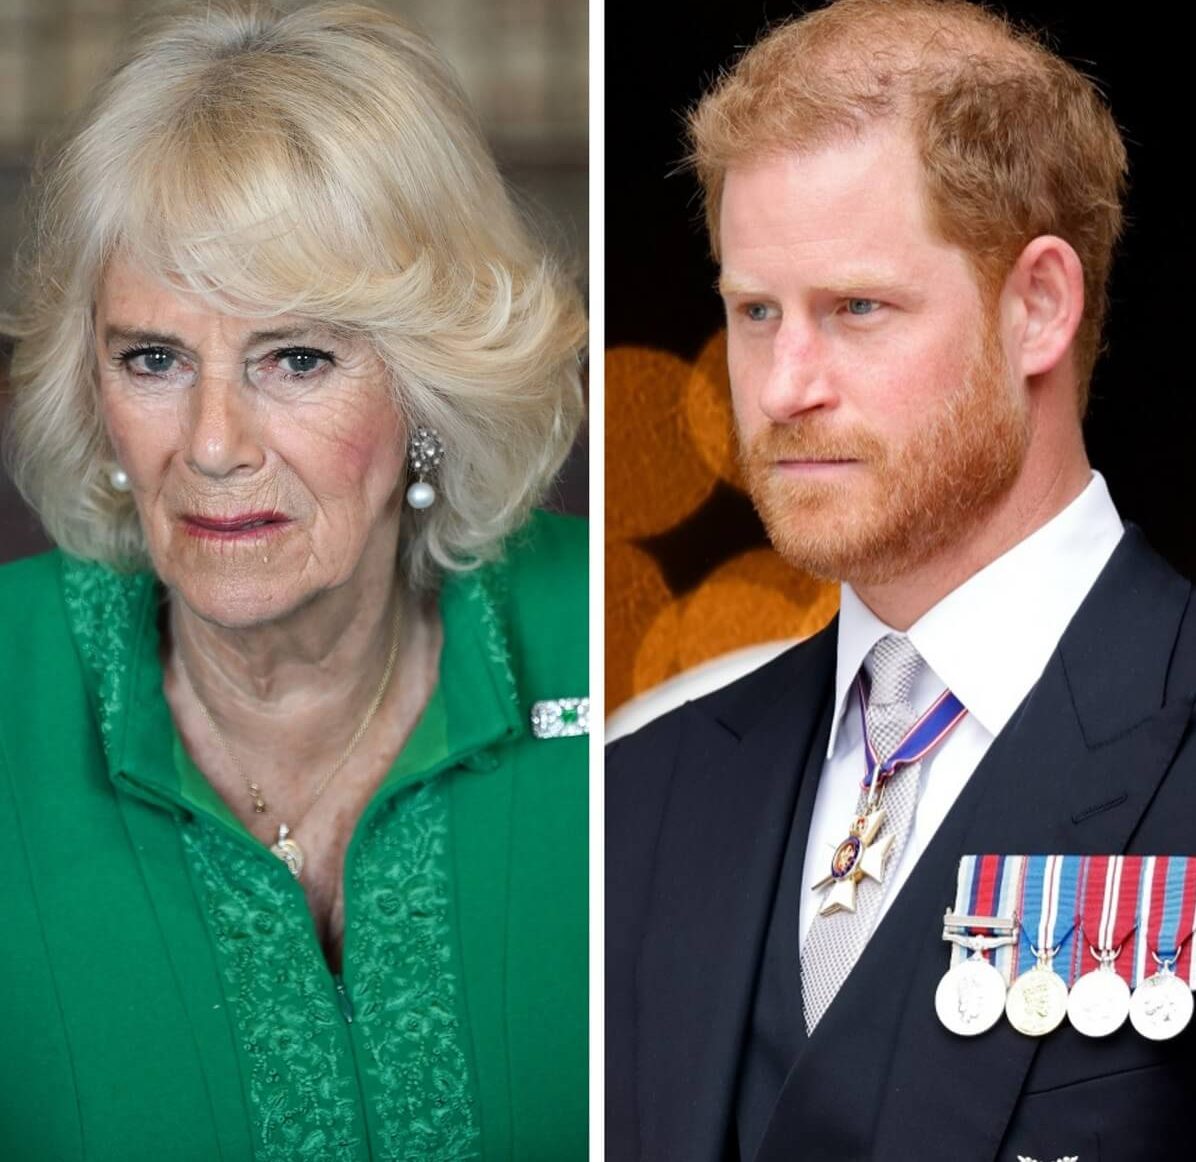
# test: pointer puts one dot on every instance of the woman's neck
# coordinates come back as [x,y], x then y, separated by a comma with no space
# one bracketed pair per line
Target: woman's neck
[290,694]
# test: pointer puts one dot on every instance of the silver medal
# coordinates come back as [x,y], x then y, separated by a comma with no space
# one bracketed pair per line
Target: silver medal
[1161,1006]
[971,997]
[1098,1003]
[1037,1001]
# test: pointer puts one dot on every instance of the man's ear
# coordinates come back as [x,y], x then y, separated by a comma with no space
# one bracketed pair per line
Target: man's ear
[1044,294]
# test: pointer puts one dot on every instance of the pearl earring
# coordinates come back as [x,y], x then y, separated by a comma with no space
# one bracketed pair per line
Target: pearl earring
[119,479]
[424,454]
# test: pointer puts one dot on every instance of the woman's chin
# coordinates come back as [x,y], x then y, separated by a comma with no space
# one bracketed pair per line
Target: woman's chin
[239,599]
[235,611]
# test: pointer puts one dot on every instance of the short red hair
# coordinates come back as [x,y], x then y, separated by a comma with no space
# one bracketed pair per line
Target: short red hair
[1014,141]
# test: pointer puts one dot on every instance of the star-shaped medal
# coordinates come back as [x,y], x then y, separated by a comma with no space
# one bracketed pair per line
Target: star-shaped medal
[859,855]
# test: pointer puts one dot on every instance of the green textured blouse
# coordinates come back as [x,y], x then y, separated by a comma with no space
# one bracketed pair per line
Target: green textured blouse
[164,993]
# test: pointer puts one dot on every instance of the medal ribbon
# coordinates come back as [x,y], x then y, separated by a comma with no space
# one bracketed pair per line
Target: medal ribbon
[1048,911]
[1167,928]
[966,882]
[1013,875]
[944,715]
[1185,967]
[989,885]
[1109,910]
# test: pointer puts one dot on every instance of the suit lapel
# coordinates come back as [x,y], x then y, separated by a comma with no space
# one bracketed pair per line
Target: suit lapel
[720,852]
[1073,772]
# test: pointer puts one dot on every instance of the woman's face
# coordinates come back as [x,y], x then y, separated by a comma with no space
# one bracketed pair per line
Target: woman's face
[265,455]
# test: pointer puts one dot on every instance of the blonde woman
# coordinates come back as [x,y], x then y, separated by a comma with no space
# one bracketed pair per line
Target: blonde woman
[292,782]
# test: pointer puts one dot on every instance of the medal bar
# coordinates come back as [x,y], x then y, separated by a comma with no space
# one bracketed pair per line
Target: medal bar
[1096,927]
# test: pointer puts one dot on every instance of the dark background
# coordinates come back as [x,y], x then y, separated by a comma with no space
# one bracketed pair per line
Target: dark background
[659,277]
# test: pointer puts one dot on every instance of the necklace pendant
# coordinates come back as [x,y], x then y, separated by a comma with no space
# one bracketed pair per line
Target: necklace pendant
[288,851]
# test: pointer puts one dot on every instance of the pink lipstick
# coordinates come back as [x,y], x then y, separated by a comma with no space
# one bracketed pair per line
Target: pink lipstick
[238,526]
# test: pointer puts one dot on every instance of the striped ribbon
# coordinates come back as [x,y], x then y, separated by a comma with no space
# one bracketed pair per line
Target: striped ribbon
[1048,911]
[1111,887]
[1142,904]
[1167,917]
[944,715]
[989,885]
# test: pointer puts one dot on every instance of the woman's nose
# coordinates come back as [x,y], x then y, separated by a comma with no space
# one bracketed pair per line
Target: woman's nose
[223,437]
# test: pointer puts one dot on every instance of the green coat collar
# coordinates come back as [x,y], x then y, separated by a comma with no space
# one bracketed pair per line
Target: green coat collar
[114,621]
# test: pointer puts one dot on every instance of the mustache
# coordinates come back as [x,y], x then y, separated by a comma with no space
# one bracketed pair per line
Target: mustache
[809,441]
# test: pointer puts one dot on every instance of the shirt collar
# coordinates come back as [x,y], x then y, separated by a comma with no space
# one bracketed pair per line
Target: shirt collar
[989,640]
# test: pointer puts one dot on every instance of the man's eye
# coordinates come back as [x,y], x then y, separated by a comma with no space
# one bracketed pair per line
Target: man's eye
[757,312]
[861,306]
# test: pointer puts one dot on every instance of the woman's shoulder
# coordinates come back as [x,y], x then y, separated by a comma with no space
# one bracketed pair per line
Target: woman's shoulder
[549,552]
[541,584]
[55,587]
[30,578]
[30,599]
[62,610]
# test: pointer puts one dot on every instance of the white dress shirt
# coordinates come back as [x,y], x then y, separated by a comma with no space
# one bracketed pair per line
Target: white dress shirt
[987,641]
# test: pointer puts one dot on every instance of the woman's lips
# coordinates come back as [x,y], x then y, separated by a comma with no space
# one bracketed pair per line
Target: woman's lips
[240,526]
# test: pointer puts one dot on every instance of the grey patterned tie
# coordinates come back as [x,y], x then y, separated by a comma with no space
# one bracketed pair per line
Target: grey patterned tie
[835,942]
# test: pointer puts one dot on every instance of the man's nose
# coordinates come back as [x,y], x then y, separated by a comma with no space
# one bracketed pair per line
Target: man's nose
[799,379]
[223,437]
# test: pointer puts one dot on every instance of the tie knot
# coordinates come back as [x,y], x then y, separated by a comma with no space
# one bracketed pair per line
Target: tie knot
[892,665]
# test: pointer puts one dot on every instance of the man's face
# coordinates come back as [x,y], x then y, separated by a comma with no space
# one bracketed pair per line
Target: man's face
[878,421]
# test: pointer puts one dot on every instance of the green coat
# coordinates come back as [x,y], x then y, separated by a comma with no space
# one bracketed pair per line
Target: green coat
[164,993]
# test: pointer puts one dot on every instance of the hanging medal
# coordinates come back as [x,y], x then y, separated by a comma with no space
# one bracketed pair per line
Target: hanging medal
[863,854]
[1037,1000]
[1099,1001]
[1161,1005]
[970,998]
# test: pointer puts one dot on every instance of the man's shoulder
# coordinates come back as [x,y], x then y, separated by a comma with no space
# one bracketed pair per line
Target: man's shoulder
[1138,618]
[735,708]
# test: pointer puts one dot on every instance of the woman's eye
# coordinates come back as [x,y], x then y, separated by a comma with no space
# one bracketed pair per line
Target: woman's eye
[861,306]
[150,360]
[757,312]
[300,362]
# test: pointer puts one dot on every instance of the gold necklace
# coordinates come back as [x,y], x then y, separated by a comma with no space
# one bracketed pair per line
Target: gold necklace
[285,846]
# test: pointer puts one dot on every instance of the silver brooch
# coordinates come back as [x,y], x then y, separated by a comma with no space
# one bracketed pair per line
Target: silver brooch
[560,717]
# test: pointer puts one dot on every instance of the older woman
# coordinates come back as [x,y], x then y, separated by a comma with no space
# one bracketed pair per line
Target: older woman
[292,794]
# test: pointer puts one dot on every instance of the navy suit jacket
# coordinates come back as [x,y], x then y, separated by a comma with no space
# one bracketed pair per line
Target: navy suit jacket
[1099,758]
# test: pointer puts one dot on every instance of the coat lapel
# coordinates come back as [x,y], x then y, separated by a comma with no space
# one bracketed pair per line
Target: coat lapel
[1073,772]
[719,853]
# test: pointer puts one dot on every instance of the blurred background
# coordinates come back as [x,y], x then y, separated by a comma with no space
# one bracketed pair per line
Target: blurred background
[523,62]
[690,576]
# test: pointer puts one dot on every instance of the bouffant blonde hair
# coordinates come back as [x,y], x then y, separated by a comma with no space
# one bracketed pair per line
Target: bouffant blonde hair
[321,162]
[1014,141]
